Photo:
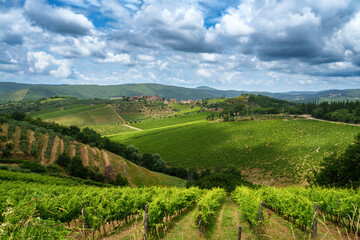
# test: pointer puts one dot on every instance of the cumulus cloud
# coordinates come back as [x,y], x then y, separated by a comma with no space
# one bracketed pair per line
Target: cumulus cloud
[249,43]
[43,63]
[56,19]
[122,58]
[146,58]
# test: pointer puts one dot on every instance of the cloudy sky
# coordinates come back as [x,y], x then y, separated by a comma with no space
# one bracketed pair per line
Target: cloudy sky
[269,45]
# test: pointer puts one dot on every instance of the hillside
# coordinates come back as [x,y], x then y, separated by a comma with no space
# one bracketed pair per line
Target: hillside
[45,147]
[272,151]
[19,91]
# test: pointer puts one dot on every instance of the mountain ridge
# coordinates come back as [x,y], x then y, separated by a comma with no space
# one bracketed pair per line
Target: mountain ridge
[11,91]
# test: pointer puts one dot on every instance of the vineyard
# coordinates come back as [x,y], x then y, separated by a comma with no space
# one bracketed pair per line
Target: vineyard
[67,209]
[98,116]
[270,150]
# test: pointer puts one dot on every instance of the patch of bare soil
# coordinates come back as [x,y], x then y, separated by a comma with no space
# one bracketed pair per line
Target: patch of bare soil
[72,150]
[105,157]
[84,156]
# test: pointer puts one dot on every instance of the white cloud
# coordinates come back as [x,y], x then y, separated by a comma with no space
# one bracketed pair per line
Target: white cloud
[78,47]
[203,72]
[43,63]
[122,58]
[146,58]
[60,20]
[210,57]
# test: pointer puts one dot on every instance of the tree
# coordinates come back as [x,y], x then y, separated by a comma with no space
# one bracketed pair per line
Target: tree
[63,160]
[159,165]
[341,170]
[76,168]
[6,152]
[120,181]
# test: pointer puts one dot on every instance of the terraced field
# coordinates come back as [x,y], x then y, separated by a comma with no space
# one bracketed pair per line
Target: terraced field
[283,150]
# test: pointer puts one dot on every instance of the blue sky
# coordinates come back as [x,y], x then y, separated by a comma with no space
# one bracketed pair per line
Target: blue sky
[256,45]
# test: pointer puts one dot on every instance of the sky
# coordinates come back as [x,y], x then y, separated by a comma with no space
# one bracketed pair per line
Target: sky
[253,45]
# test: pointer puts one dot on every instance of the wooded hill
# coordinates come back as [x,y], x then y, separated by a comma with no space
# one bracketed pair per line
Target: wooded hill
[10,91]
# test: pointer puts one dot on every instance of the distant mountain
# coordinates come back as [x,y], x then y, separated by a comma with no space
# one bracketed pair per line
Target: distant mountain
[20,91]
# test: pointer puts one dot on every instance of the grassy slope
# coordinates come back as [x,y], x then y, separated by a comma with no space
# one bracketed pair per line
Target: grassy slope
[55,112]
[286,148]
[86,116]
[171,120]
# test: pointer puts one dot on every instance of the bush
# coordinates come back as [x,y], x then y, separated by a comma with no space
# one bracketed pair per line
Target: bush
[120,181]
[77,169]
[53,169]
[35,167]
[6,152]
[10,146]
[63,160]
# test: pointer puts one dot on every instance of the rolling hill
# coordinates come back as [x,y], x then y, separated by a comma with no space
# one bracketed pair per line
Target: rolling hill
[19,91]
[276,150]
[45,147]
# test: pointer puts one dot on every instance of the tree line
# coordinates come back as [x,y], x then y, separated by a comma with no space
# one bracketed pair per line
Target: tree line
[345,111]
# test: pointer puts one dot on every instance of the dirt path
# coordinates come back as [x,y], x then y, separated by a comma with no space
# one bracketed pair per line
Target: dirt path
[54,150]
[126,125]
[105,157]
[308,116]
[227,225]
[132,127]
[116,114]
[132,232]
[84,156]
[184,228]
[279,228]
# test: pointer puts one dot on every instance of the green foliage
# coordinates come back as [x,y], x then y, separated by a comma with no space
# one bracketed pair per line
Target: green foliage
[284,148]
[53,169]
[210,203]
[120,181]
[6,152]
[227,179]
[76,168]
[249,204]
[35,167]
[343,169]
[63,160]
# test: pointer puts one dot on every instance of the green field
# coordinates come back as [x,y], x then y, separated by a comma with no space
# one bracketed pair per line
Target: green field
[70,109]
[87,117]
[133,116]
[171,120]
[278,147]
[111,129]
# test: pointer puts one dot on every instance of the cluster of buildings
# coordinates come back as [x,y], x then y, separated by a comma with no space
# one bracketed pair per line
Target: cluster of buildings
[154,98]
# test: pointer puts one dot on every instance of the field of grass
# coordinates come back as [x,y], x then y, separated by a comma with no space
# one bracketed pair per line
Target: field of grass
[111,129]
[280,148]
[98,116]
[171,120]
[133,116]
[70,109]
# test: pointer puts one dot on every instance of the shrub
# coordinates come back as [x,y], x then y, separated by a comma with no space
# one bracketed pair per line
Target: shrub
[35,167]
[6,152]
[53,169]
